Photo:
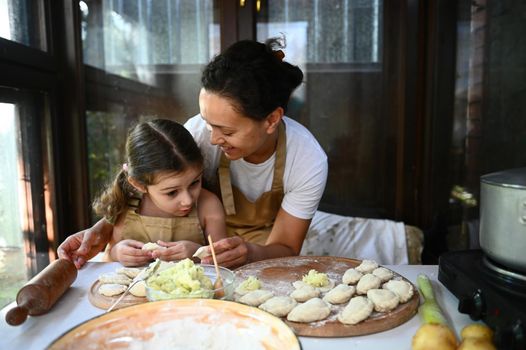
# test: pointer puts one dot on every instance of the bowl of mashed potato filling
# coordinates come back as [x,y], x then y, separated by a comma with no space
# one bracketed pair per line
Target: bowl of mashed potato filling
[187,280]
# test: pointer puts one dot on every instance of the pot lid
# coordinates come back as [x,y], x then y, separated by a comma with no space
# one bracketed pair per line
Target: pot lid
[515,178]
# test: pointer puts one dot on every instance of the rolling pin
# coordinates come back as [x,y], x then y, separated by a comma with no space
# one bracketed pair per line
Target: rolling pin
[38,295]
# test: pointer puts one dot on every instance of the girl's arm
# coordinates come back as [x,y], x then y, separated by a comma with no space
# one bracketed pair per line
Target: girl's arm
[127,251]
[211,215]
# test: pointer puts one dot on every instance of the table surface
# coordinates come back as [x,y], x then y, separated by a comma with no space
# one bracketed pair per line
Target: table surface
[73,308]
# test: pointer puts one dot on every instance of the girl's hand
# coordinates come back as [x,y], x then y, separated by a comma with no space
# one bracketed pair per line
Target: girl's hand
[175,250]
[129,252]
[230,252]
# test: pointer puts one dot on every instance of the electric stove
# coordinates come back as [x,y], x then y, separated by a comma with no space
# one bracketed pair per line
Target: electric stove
[489,292]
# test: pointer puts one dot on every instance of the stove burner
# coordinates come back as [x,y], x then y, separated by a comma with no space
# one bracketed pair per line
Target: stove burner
[503,278]
[502,270]
[489,292]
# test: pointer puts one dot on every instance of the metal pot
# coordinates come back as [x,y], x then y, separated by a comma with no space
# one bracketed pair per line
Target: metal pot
[503,217]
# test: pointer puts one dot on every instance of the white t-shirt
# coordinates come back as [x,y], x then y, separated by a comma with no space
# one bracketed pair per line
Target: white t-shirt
[305,168]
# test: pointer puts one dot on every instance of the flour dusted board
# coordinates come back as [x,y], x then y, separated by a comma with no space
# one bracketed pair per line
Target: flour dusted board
[104,302]
[277,275]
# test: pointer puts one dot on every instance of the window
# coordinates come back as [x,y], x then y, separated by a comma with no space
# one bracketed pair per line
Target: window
[22,21]
[24,192]
[143,59]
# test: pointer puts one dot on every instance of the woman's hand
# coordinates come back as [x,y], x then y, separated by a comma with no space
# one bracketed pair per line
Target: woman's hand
[129,252]
[230,252]
[175,250]
[84,245]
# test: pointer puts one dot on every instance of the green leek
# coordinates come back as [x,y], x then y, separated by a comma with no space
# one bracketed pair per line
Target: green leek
[430,310]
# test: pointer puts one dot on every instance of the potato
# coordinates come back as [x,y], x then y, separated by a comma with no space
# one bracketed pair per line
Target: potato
[476,344]
[477,330]
[434,336]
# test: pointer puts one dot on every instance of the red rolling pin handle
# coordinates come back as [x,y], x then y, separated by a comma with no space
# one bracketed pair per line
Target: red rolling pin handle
[42,291]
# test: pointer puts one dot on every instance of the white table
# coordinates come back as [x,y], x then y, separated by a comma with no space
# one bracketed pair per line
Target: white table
[74,308]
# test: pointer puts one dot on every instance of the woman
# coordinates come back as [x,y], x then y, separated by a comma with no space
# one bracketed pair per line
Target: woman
[268,169]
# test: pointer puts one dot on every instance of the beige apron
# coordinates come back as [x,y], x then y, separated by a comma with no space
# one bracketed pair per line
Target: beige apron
[151,229]
[253,221]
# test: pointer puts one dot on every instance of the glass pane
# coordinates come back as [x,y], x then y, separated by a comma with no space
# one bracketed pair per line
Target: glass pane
[339,46]
[341,31]
[489,127]
[140,39]
[107,133]
[23,21]
[12,253]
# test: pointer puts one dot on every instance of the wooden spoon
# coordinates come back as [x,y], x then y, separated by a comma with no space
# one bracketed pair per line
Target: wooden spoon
[218,284]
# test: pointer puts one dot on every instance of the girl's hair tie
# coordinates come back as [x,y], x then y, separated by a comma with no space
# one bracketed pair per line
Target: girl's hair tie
[125,167]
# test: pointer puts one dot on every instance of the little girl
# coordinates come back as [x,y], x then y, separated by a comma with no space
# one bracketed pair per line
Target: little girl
[157,197]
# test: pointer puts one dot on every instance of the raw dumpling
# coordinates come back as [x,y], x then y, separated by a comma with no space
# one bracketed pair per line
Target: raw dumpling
[279,306]
[248,285]
[131,272]
[152,246]
[115,278]
[301,284]
[403,289]
[111,289]
[368,281]
[305,293]
[358,309]
[351,276]
[383,273]
[383,299]
[202,252]
[340,294]
[367,266]
[256,297]
[313,310]
[139,289]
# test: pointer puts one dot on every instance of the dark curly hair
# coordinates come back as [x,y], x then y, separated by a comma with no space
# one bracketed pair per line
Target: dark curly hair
[253,76]
[152,147]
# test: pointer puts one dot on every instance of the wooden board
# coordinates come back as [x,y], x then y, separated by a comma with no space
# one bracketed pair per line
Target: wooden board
[278,274]
[104,302]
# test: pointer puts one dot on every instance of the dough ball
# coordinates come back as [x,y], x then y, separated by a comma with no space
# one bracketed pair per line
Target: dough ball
[114,278]
[300,284]
[139,289]
[403,289]
[305,293]
[111,289]
[313,310]
[325,288]
[383,273]
[367,266]
[279,306]
[248,285]
[358,309]
[256,297]
[340,294]
[368,281]
[351,276]
[383,299]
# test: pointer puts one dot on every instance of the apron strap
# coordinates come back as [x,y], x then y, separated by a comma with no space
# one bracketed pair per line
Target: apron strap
[225,186]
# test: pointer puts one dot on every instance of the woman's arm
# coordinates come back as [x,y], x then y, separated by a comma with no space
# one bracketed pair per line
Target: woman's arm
[84,245]
[285,239]
[211,215]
